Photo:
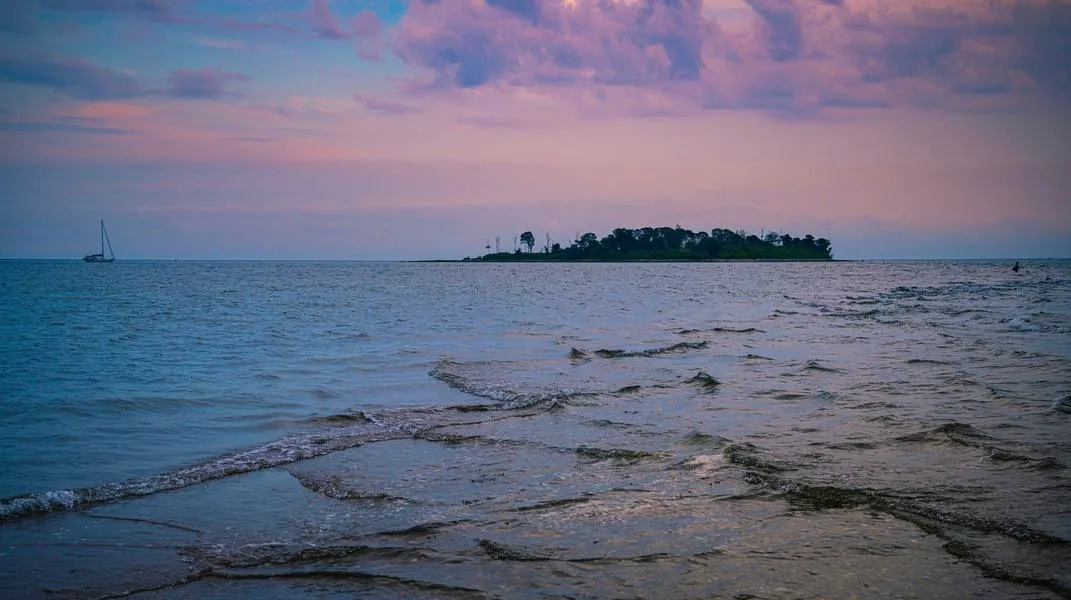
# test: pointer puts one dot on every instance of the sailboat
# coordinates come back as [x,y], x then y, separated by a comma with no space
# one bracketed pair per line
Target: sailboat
[102,258]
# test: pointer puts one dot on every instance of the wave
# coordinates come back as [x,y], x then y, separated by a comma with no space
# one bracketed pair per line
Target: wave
[857,314]
[814,365]
[720,330]
[1062,404]
[816,496]
[675,348]
[616,453]
[450,373]
[287,450]
[1021,324]
[1027,325]
[961,433]
[946,524]
[955,312]
[1041,464]
[499,551]
[731,330]
[216,560]
[347,336]
[705,381]
[338,432]
[746,455]
[996,545]
[333,487]
[610,424]
[556,503]
[342,419]
[819,497]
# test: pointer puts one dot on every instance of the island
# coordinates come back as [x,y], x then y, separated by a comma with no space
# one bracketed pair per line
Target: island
[666,244]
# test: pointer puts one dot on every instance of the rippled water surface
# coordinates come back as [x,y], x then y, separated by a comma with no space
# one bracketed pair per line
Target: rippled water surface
[440,430]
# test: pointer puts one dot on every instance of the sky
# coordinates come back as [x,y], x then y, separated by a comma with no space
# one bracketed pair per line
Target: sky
[424,129]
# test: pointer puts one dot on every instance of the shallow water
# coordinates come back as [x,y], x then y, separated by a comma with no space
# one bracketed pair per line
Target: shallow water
[865,429]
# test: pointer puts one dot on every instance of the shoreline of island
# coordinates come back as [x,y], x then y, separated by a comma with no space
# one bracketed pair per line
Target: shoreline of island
[480,259]
[665,244]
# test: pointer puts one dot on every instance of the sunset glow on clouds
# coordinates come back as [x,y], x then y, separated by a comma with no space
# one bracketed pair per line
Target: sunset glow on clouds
[387,129]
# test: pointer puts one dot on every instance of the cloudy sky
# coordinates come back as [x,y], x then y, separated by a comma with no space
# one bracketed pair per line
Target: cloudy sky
[386,129]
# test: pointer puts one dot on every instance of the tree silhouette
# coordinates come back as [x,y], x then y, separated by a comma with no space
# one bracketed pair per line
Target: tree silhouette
[528,240]
[673,243]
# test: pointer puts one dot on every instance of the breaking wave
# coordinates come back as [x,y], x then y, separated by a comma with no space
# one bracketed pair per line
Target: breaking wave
[281,452]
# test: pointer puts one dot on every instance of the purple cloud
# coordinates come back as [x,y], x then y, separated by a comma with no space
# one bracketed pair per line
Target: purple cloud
[530,42]
[200,83]
[83,80]
[368,31]
[799,55]
[324,22]
[73,77]
[526,9]
[781,27]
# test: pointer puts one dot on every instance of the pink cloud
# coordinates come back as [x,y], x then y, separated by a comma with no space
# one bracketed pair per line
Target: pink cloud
[112,111]
[793,55]
[383,105]
[324,22]
[526,43]
[366,29]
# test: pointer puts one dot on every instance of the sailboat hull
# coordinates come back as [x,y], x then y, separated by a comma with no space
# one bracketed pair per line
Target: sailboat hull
[101,257]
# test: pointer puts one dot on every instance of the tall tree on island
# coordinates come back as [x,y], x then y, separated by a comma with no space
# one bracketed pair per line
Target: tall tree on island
[528,240]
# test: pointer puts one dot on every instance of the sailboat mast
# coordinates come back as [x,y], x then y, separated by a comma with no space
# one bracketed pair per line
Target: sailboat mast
[102,238]
[111,253]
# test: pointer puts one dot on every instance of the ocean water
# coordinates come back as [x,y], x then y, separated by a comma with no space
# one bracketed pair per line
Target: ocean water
[440,430]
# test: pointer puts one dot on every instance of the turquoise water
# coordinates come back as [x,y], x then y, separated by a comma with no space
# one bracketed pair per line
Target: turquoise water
[447,395]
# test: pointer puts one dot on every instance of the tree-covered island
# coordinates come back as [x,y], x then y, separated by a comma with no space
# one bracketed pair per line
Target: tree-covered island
[668,243]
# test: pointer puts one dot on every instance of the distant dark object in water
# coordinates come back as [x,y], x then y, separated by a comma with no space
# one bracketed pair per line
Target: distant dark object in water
[1016,267]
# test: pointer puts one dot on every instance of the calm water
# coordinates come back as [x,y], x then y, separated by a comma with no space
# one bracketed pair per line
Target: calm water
[183,430]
